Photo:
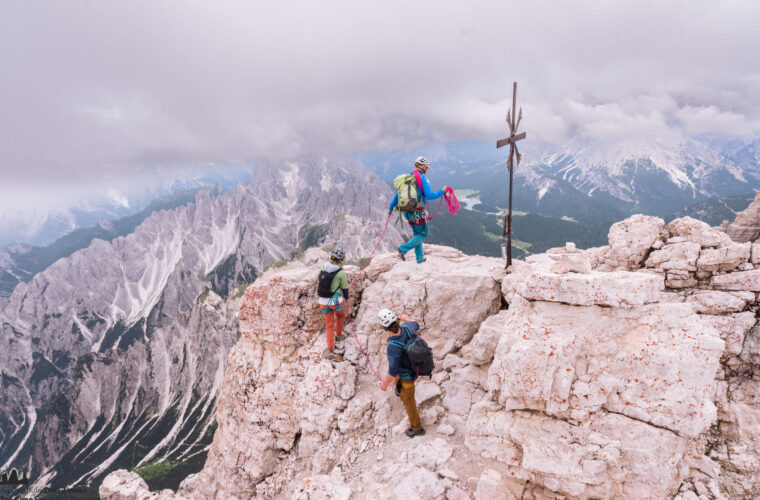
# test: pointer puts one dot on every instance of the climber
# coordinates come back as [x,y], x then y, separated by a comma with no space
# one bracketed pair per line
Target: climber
[416,215]
[332,289]
[399,369]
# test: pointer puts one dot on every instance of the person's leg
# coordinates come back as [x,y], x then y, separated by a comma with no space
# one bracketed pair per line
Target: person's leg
[421,233]
[416,239]
[341,318]
[407,397]
[330,325]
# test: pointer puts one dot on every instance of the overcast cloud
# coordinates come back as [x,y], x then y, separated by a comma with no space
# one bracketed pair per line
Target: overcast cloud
[92,89]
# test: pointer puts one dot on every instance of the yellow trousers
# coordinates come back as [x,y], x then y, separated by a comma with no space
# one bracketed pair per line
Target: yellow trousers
[407,397]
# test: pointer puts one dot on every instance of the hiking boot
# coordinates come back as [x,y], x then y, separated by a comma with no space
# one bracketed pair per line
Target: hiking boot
[421,261]
[419,432]
[329,354]
[401,254]
[339,338]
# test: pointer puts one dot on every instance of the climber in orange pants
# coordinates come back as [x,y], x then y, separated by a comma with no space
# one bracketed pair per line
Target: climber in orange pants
[333,299]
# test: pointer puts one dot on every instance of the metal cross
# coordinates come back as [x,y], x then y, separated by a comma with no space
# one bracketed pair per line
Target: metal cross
[512,161]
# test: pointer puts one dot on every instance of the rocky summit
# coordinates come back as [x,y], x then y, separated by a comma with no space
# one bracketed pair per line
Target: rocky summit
[625,371]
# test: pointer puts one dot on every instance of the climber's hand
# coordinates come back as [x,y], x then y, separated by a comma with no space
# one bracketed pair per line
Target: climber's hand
[403,317]
[383,386]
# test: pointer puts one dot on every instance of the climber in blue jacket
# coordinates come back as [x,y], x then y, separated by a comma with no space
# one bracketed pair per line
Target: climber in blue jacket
[418,218]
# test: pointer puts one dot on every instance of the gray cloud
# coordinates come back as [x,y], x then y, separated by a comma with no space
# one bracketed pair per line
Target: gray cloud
[93,89]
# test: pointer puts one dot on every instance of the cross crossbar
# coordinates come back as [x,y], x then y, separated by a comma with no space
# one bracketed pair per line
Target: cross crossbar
[510,140]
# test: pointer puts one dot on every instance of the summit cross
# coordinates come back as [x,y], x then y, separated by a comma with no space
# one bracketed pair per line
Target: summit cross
[512,161]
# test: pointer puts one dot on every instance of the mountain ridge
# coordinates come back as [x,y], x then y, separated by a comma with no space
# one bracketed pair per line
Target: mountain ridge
[131,334]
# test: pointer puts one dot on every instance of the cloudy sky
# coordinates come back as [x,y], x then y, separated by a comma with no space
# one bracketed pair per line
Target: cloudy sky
[96,89]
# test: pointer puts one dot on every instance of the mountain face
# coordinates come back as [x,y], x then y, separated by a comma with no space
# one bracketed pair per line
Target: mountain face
[35,222]
[20,262]
[649,176]
[575,191]
[113,356]
[590,183]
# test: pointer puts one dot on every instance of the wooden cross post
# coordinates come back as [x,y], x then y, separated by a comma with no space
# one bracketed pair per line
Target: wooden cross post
[512,161]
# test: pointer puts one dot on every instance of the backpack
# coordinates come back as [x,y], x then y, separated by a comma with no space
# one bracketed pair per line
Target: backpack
[409,189]
[419,354]
[325,283]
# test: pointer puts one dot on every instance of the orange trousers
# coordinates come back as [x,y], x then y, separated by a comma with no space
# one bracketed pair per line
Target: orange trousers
[334,320]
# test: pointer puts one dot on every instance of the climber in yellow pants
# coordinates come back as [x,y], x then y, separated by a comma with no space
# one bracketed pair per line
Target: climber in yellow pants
[399,369]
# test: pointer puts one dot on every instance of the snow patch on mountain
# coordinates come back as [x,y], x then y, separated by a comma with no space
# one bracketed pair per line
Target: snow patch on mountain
[686,163]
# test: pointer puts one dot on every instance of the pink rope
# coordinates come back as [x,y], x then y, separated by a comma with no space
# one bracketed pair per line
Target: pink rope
[369,259]
[451,201]
[440,203]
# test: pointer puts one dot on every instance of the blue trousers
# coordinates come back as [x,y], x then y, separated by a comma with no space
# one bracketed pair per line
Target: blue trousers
[420,233]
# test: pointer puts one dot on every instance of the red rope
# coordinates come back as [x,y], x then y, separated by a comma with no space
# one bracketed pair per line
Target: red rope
[369,259]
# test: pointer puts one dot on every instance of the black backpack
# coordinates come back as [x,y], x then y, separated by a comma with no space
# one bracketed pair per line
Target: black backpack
[419,354]
[325,282]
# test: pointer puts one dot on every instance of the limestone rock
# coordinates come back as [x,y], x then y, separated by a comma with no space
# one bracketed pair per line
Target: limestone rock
[717,302]
[677,256]
[631,239]
[431,454]
[696,231]
[742,281]
[679,281]
[614,289]
[419,483]
[494,486]
[460,290]
[607,456]
[569,260]
[755,253]
[483,345]
[465,387]
[425,391]
[746,226]
[750,347]
[732,328]
[125,485]
[726,258]
[572,361]
[322,487]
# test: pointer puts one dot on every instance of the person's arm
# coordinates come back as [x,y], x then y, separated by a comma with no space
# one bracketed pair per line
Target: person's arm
[394,202]
[344,284]
[388,380]
[394,366]
[429,193]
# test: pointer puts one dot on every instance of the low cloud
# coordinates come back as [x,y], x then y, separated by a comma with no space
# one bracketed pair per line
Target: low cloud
[95,89]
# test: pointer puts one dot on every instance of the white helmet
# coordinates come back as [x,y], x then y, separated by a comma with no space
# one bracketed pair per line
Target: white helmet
[421,160]
[386,317]
[338,253]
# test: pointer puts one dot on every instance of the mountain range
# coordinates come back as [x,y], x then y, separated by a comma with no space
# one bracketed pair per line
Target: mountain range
[112,356]
[579,189]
